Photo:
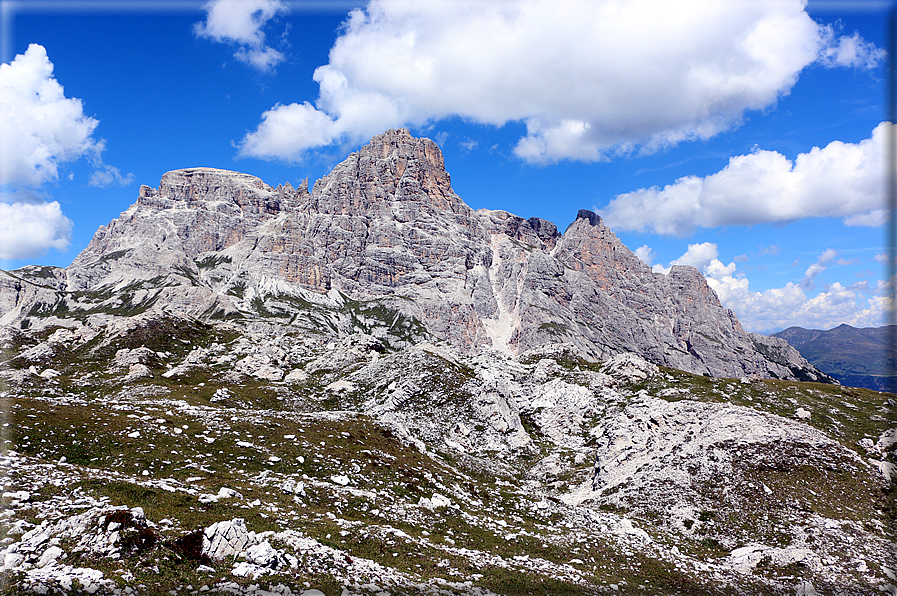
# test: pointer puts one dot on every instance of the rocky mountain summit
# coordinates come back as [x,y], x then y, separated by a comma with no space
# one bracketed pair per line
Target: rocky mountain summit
[370,389]
[384,246]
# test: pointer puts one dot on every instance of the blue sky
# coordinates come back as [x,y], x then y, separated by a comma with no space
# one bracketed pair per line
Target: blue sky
[744,138]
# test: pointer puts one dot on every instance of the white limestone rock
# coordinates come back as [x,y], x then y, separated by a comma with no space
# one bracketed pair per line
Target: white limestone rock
[260,366]
[296,376]
[626,528]
[225,540]
[49,556]
[340,386]
[126,358]
[630,367]
[291,486]
[560,409]
[137,372]
[435,502]
[350,350]
[746,558]
[681,445]
[262,555]
[18,496]
[228,493]
[89,531]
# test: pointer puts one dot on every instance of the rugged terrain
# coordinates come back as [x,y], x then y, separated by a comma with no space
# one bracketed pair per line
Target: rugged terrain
[383,245]
[368,388]
[856,357]
[161,454]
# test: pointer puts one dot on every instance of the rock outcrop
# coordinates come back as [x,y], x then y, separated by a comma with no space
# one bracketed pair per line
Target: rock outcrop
[383,245]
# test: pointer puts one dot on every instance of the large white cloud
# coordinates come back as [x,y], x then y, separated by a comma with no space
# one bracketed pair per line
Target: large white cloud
[702,257]
[241,23]
[779,308]
[839,180]
[589,79]
[790,305]
[41,128]
[28,229]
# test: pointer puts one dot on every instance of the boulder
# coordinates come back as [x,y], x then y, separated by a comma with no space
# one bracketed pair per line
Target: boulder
[225,540]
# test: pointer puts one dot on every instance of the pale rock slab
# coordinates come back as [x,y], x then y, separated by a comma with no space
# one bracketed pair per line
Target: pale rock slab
[49,557]
[745,559]
[226,539]
[560,409]
[630,366]
[435,502]
[137,372]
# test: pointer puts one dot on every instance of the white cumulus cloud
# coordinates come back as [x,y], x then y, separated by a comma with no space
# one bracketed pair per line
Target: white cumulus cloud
[838,180]
[107,175]
[852,51]
[779,308]
[41,128]
[589,79]
[646,254]
[869,219]
[790,305]
[28,229]
[703,257]
[241,23]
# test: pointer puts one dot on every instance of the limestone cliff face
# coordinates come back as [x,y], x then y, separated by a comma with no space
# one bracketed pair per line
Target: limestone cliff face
[385,229]
[194,211]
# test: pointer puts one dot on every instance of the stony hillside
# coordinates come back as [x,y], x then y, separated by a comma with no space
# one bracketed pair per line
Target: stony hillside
[160,455]
[855,357]
[384,246]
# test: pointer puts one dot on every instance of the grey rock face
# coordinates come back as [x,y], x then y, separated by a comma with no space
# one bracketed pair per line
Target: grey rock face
[383,246]
[681,442]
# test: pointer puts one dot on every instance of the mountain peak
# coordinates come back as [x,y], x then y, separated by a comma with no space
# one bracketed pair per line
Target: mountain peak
[198,188]
[197,184]
[393,167]
[593,218]
[400,144]
[385,229]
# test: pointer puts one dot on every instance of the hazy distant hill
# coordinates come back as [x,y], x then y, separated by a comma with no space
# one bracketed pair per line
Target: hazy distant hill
[856,357]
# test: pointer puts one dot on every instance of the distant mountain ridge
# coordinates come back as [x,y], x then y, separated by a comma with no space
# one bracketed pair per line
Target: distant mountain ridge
[861,357]
[384,246]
